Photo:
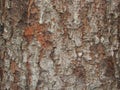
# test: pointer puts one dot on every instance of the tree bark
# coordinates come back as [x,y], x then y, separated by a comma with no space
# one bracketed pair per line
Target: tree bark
[59,45]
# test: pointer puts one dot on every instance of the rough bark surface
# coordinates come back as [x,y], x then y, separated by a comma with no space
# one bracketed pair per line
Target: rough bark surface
[60,45]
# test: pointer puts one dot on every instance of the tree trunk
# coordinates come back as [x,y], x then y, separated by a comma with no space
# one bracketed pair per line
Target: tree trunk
[59,45]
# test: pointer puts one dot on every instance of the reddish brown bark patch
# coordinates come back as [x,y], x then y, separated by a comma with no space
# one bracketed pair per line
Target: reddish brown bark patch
[39,31]
[28,73]
[110,69]
[13,67]
[78,70]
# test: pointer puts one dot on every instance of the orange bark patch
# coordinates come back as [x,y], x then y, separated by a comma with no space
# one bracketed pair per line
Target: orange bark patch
[43,39]
[29,31]
[38,31]
[35,28]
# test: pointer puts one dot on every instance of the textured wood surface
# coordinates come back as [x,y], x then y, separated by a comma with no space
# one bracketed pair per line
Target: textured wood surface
[60,45]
